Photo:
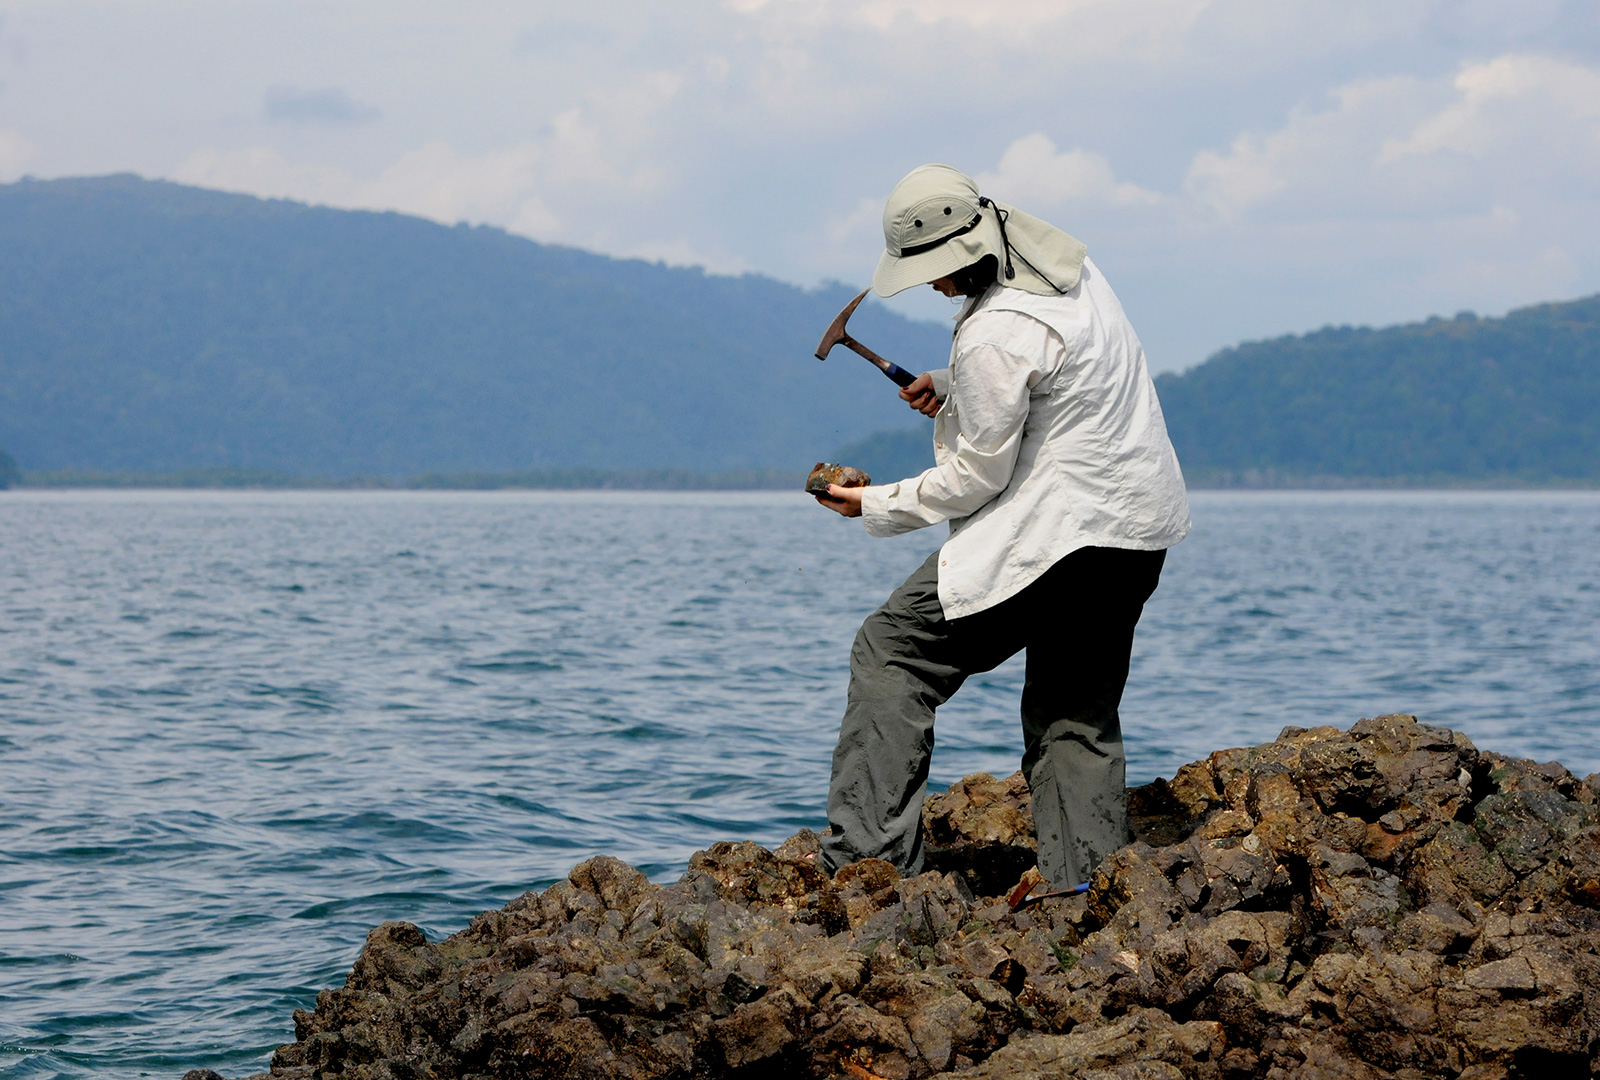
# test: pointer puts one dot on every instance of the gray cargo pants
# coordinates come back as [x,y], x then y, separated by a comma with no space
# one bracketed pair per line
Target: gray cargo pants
[1076,622]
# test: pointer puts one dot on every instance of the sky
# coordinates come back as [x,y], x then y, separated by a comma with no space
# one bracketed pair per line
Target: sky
[1238,168]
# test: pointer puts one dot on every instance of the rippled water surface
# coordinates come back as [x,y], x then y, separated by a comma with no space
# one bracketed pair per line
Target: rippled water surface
[237,730]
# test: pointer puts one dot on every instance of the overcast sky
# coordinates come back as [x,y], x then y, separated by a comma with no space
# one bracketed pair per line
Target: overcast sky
[1238,168]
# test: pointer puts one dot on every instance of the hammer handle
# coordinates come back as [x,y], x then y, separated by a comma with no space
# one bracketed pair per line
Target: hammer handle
[899,374]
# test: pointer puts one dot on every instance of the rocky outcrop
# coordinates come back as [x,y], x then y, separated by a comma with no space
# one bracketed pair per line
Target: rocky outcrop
[1381,902]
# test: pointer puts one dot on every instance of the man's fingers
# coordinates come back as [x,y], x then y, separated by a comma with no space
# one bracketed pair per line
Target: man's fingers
[842,500]
[919,386]
[838,506]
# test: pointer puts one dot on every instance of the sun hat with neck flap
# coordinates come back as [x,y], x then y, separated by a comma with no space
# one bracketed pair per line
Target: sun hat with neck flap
[935,223]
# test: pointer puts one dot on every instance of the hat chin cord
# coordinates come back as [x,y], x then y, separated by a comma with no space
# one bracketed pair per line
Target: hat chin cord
[1010,271]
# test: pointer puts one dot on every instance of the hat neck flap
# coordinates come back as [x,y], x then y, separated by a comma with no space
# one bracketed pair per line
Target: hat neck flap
[1034,255]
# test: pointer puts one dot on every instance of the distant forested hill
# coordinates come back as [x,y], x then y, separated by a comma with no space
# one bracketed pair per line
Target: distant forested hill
[1464,399]
[146,326]
[1512,400]
[150,326]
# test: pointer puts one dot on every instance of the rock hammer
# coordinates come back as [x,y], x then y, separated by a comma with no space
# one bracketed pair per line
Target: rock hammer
[836,336]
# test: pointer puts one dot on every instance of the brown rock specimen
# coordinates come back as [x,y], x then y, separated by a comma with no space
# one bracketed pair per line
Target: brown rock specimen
[844,475]
[1382,902]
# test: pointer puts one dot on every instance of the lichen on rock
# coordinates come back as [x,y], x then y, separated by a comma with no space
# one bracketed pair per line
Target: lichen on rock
[1386,901]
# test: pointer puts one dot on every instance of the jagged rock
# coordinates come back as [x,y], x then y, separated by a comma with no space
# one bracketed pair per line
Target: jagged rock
[1380,902]
[1143,1045]
[982,829]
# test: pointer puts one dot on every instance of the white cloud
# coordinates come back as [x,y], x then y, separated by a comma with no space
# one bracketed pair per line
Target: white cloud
[1096,26]
[1506,131]
[433,182]
[1321,160]
[439,183]
[1247,173]
[1021,14]
[1032,172]
[518,187]
[1401,196]
[15,152]
[542,187]
[1498,100]
[865,220]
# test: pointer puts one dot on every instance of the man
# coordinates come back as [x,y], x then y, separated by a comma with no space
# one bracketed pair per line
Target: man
[1062,492]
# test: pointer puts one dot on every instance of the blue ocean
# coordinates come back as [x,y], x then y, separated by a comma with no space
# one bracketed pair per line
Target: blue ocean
[239,729]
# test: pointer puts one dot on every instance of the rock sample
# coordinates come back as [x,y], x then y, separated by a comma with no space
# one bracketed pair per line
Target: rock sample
[1386,901]
[824,473]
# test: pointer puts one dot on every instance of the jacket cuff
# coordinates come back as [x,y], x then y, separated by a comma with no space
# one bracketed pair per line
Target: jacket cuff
[941,382]
[875,509]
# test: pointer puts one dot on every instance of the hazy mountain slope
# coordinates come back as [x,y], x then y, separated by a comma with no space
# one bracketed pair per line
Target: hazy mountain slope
[146,325]
[149,326]
[1510,398]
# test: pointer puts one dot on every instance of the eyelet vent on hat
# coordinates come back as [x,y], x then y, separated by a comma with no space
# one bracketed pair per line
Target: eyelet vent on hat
[947,210]
[917,223]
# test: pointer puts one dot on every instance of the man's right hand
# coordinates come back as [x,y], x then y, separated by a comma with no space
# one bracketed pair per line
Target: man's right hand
[920,395]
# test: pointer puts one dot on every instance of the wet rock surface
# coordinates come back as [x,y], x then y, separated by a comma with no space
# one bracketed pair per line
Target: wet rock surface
[1386,901]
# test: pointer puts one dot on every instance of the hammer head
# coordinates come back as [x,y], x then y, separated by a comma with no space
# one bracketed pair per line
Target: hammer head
[836,332]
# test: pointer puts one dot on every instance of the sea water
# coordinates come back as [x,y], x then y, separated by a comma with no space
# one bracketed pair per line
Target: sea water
[237,730]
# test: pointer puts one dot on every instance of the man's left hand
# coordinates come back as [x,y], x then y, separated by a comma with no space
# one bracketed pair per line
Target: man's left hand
[842,500]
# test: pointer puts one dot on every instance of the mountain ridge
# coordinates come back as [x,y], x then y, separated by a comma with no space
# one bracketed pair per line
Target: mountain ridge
[156,331]
[148,326]
[1512,399]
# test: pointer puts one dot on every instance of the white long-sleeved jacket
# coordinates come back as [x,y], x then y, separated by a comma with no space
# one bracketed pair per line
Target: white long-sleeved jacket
[1050,439]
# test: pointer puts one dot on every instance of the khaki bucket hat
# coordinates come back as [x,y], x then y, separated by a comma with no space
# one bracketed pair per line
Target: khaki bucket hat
[935,222]
[932,227]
